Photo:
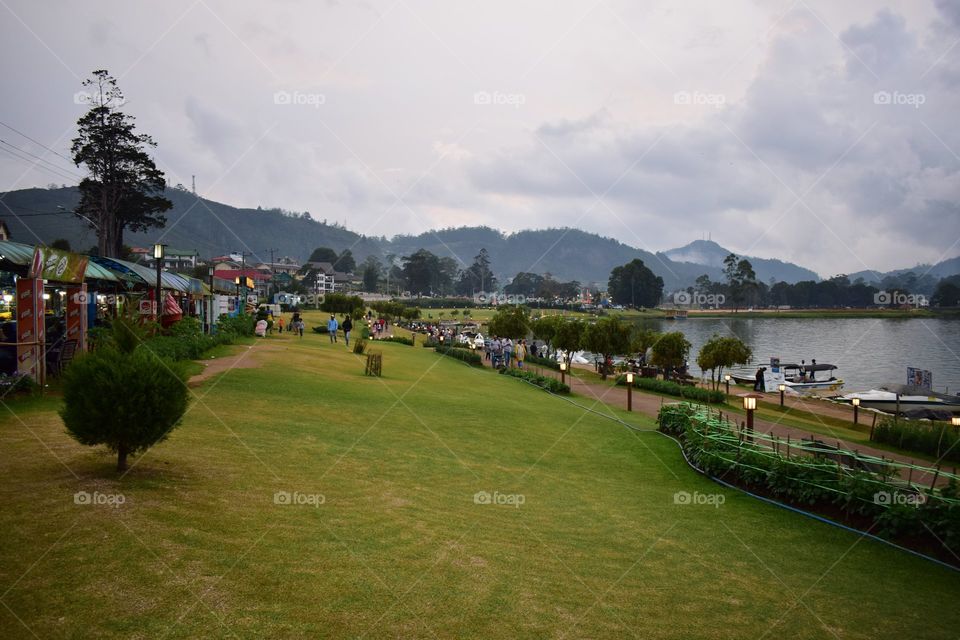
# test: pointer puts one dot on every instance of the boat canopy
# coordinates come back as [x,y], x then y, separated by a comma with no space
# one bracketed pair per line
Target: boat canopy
[810,367]
[911,390]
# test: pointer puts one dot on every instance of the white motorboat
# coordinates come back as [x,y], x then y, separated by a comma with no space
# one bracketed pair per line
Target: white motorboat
[806,379]
[906,399]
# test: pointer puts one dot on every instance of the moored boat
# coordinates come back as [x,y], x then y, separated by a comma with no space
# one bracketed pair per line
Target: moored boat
[905,399]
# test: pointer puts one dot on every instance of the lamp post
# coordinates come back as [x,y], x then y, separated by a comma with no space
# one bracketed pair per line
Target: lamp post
[236,281]
[158,253]
[629,391]
[750,404]
[782,387]
[726,379]
[213,299]
[955,421]
[856,410]
[563,372]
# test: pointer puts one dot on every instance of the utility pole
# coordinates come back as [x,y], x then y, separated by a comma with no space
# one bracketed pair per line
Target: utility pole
[194,180]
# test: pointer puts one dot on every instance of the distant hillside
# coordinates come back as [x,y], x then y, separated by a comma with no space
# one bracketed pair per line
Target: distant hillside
[215,228]
[940,270]
[709,253]
[210,227]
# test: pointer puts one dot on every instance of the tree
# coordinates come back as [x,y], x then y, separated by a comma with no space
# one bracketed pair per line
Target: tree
[608,336]
[719,352]
[372,271]
[947,293]
[323,254]
[642,340]
[510,322]
[524,284]
[741,279]
[635,284]
[345,262]
[123,395]
[421,271]
[569,338]
[478,277]
[341,303]
[123,188]
[61,244]
[670,351]
[545,328]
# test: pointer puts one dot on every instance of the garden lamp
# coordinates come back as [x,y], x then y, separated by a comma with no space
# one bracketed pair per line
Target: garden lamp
[629,391]
[856,410]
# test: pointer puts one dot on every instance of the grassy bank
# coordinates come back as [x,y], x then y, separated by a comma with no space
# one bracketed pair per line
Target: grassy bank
[439,501]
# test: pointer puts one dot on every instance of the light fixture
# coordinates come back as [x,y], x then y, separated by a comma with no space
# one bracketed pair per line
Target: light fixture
[7,298]
[955,421]
[856,410]
[630,391]
[856,402]
[781,387]
[158,251]
[46,296]
[749,403]
[563,373]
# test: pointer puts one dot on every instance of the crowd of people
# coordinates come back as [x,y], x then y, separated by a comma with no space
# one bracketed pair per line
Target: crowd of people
[506,352]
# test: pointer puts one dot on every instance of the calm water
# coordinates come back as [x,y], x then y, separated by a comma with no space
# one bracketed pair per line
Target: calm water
[869,352]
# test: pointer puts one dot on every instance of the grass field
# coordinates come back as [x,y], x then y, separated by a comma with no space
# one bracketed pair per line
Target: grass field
[388,540]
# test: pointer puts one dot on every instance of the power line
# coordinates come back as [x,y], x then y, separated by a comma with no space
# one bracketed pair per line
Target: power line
[57,167]
[34,165]
[21,133]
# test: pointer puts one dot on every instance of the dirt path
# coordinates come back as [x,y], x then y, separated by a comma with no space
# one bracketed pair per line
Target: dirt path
[246,358]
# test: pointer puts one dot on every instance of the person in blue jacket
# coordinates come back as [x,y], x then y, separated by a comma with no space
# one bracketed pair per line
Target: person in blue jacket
[332,327]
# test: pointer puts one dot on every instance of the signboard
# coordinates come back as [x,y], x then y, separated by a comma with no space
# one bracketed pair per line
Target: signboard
[57,265]
[30,328]
[77,303]
[919,378]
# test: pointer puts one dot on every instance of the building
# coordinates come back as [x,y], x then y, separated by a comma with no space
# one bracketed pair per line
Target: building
[261,280]
[173,259]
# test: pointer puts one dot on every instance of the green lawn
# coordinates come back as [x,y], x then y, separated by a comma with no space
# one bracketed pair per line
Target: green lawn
[399,548]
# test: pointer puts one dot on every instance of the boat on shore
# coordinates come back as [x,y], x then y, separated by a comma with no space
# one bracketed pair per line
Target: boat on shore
[805,379]
[905,399]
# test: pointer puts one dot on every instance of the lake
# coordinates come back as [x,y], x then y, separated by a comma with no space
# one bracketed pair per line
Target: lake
[868,351]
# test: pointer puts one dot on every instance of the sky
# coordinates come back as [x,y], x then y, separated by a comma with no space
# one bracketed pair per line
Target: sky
[813,131]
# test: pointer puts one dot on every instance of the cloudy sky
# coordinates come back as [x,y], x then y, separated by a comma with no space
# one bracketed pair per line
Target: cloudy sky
[815,131]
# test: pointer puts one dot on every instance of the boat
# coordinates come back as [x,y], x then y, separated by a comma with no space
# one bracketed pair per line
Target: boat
[905,398]
[805,379]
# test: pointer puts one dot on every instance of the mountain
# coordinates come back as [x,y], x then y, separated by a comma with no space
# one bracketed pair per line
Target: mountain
[942,269]
[210,227]
[711,254]
[214,228]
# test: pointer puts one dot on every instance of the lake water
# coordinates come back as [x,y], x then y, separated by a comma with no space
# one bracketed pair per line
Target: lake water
[868,351]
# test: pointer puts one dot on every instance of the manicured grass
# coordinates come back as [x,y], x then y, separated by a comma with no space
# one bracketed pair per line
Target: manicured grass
[399,548]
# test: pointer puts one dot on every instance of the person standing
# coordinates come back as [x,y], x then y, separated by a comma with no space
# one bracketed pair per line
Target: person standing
[332,326]
[347,326]
[280,324]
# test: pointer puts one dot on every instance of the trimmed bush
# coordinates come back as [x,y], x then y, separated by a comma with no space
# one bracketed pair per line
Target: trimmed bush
[397,339]
[671,388]
[550,384]
[321,329]
[464,355]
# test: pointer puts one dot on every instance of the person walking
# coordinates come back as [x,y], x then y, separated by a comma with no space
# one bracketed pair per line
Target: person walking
[332,326]
[280,324]
[508,352]
[347,326]
[520,353]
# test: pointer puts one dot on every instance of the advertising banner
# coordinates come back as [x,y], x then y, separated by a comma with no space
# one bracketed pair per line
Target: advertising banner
[78,301]
[57,265]
[30,328]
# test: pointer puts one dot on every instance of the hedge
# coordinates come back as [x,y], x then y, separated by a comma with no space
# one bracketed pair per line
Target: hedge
[464,355]
[550,384]
[810,475]
[186,340]
[934,439]
[397,339]
[671,388]
[550,363]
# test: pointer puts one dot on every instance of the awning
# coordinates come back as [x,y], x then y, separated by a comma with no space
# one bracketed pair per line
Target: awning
[18,256]
[145,275]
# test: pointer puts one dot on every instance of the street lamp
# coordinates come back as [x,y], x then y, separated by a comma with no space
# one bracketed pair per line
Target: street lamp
[856,410]
[158,253]
[629,391]
[750,404]
[955,421]
[213,298]
[782,387]
[726,379]
[563,372]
